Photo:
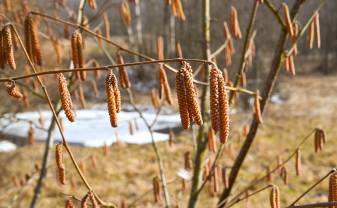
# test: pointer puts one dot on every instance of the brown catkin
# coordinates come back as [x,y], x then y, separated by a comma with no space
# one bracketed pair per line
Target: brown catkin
[298,162]
[188,161]
[165,85]
[292,65]
[110,94]
[13,90]
[227,34]
[70,204]
[154,98]
[211,140]
[288,19]
[225,178]
[284,174]
[93,200]
[66,101]
[117,94]
[192,100]
[275,197]
[85,201]
[257,107]
[179,51]
[2,51]
[28,36]
[160,47]
[311,34]
[81,96]
[333,188]
[30,136]
[317,31]
[106,25]
[235,27]
[60,163]
[74,51]
[8,47]
[214,98]
[80,55]
[92,4]
[156,189]
[123,74]
[36,48]
[223,110]
[182,100]
[124,11]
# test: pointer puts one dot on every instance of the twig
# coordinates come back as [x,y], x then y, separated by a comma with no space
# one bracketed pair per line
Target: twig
[313,186]
[314,205]
[274,11]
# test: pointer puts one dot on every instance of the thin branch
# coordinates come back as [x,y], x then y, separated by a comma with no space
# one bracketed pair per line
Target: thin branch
[274,11]
[314,205]
[313,186]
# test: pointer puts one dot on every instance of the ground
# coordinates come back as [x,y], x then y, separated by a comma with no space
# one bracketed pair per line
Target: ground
[126,172]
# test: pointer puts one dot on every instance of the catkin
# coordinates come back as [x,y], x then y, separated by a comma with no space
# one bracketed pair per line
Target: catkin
[8,47]
[110,94]
[125,13]
[156,189]
[182,100]
[214,98]
[30,136]
[311,34]
[284,175]
[257,107]
[223,110]
[211,140]
[333,188]
[93,200]
[123,74]
[288,19]
[81,62]
[35,42]
[2,51]
[70,204]
[165,85]
[275,197]
[188,161]
[225,178]
[235,27]
[298,162]
[227,34]
[85,201]
[13,90]
[74,51]
[117,94]
[160,47]
[292,65]
[192,100]
[317,31]
[81,96]
[66,101]
[92,4]
[179,51]
[60,163]
[106,25]
[154,98]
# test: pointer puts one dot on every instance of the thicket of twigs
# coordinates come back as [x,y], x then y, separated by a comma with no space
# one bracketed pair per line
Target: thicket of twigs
[205,94]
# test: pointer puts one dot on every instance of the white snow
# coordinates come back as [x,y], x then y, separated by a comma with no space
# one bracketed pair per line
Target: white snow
[92,127]
[6,146]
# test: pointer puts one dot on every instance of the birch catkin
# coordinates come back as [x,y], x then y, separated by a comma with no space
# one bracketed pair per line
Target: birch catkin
[223,110]
[156,189]
[288,19]
[81,62]
[2,51]
[123,74]
[66,101]
[211,140]
[257,107]
[13,91]
[165,85]
[125,13]
[74,51]
[192,100]
[36,48]
[117,94]
[235,27]
[333,188]
[275,197]
[317,31]
[214,98]
[106,25]
[60,163]
[110,94]
[298,162]
[182,100]
[8,47]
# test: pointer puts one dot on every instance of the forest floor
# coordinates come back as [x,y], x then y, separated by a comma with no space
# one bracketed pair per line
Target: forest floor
[127,172]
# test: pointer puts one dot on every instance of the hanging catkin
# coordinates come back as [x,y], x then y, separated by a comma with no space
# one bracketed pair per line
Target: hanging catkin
[35,43]
[165,85]
[66,101]
[2,51]
[85,201]
[125,13]
[13,90]
[257,107]
[106,25]
[192,100]
[311,34]
[8,47]
[60,163]
[117,94]
[182,100]
[275,197]
[156,189]
[70,204]
[92,4]
[81,62]
[123,74]
[81,96]
[333,188]
[317,31]
[188,161]
[288,19]
[154,98]
[93,200]
[179,51]
[298,162]
[110,94]
[211,140]
[223,110]
[160,47]
[235,26]
[74,51]
[30,136]
[214,98]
